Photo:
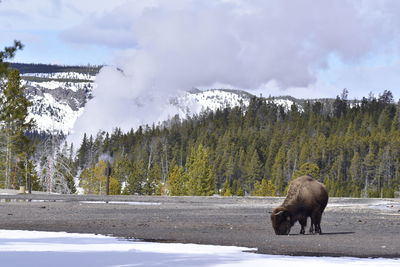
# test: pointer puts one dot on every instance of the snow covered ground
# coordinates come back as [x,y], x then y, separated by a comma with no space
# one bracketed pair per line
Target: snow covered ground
[32,248]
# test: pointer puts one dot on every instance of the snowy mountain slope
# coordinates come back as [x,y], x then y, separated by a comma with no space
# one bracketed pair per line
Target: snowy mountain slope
[59,95]
[57,102]
[51,115]
[198,101]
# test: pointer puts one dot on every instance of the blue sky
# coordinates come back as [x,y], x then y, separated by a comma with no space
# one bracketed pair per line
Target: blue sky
[47,47]
[302,48]
[39,24]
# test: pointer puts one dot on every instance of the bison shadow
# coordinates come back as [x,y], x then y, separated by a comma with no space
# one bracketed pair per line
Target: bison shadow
[329,233]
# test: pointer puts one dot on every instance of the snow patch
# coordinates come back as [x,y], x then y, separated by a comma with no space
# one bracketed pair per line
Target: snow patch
[34,248]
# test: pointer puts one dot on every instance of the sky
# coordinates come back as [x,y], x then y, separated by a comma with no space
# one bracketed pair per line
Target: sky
[303,48]
[35,248]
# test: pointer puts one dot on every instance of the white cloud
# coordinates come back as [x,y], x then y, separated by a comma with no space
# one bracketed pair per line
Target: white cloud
[50,14]
[244,43]
[167,46]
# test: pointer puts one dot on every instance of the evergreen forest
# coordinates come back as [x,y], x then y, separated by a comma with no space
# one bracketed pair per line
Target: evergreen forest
[353,147]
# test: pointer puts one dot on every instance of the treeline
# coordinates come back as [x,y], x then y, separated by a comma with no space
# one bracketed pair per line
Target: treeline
[50,68]
[353,147]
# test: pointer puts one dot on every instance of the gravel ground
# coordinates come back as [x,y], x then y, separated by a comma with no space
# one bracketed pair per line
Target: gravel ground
[351,227]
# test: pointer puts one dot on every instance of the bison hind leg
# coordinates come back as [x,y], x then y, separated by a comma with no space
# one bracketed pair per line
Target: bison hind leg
[318,229]
[303,223]
[316,222]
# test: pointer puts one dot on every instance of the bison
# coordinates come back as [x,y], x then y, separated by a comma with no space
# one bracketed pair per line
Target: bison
[306,197]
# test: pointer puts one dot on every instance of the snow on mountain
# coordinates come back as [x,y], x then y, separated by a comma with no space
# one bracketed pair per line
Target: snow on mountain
[285,103]
[57,105]
[58,98]
[51,115]
[52,84]
[59,95]
[197,101]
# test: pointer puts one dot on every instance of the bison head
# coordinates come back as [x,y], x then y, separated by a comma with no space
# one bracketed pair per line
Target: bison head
[281,221]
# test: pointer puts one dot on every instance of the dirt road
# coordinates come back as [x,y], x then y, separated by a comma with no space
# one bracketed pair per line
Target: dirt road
[351,227]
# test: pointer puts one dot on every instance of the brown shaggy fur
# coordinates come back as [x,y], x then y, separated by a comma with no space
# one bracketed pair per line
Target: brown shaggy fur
[306,197]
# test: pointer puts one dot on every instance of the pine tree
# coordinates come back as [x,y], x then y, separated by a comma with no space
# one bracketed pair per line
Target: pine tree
[237,189]
[226,189]
[201,176]
[7,54]
[355,172]
[385,172]
[136,177]
[253,170]
[369,166]
[278,171]
[115,186]
[152,183]
[308,168]
[14,114]
[93,180]
[265,188]
[33,177]
[69,166]
[305,153]
[121,170]
[230,168]
[178,181]
[83,153]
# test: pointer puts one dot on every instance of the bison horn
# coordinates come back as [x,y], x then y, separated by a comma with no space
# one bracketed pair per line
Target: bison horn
[279,213]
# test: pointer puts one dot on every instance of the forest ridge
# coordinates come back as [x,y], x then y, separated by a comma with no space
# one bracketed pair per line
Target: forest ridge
[354,148]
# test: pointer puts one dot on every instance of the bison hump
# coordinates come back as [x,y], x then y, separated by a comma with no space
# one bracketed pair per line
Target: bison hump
[296,187]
